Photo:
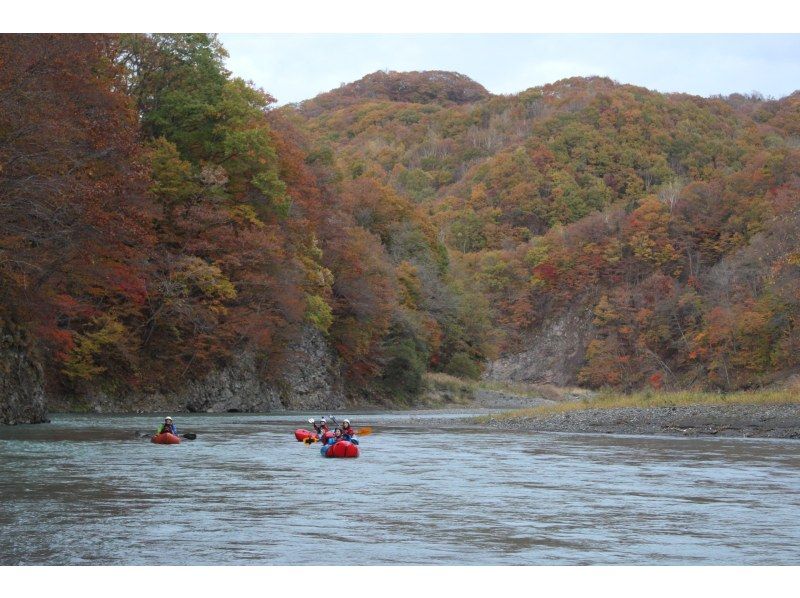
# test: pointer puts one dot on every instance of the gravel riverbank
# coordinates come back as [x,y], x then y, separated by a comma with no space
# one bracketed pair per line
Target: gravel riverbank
[735,420]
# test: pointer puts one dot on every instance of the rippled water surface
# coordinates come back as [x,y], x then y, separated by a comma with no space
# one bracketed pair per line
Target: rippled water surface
[84,490]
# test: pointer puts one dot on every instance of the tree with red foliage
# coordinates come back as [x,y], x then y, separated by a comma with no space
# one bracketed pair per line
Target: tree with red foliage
[74,238]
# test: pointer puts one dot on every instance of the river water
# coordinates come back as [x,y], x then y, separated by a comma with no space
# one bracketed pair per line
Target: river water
[84,491]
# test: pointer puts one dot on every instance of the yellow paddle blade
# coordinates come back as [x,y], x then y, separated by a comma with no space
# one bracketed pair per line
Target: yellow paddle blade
[364,431]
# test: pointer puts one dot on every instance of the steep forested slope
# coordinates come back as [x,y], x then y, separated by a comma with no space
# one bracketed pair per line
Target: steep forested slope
[160,221]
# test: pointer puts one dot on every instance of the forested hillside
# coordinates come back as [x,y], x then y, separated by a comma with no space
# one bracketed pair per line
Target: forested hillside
[667,223]
[159,218]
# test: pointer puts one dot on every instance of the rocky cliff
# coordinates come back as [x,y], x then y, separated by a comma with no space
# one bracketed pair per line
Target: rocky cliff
[22,398]
[310,382]
[553,355]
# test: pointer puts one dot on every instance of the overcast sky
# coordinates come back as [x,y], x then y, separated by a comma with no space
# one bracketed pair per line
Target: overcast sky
[295,67]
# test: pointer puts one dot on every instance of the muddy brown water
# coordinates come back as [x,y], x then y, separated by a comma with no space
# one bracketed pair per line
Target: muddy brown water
[84,491]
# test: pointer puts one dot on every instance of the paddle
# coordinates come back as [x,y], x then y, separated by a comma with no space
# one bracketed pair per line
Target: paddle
[361,432]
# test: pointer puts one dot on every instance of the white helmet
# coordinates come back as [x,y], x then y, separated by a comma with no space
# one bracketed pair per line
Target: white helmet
[347,423]
[168,419]
[323,421]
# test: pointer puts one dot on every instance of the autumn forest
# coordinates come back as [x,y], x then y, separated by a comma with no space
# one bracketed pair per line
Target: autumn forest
[160,216]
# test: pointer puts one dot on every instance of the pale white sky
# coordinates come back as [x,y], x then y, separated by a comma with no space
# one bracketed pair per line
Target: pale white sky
[294,67]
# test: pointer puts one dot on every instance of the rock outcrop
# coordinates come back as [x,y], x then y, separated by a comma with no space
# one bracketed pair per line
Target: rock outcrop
[554,354]
[22,398]
[310,381]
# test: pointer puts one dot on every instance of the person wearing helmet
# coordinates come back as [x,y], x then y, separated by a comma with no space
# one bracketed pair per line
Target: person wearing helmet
[348,433]
[320,428]
[167,426]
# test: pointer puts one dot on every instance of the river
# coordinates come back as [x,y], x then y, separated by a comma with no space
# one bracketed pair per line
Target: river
[84,491]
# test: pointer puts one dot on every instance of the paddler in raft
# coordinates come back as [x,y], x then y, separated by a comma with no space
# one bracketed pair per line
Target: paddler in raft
[326,444]
[167,426]
[337,436]
[348,433]
[320,428]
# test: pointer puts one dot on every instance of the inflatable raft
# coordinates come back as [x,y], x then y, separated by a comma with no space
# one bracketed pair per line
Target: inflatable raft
[342,449]
[165,438]
[301,434]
